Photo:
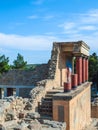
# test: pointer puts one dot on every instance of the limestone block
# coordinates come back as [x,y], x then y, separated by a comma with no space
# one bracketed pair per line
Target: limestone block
[34,115]
[55,124]
[2,127]
[9,115]
[35,126]
[28,106]
[2,117]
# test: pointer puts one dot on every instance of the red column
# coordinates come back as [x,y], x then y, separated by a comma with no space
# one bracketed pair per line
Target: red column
[86,69]
[67,86]
[79,69]
[83,69]
[74,79]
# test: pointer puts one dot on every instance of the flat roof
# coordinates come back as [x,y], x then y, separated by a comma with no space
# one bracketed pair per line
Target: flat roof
[72,43]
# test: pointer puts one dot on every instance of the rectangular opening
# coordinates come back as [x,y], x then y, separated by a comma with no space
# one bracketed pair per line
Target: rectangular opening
[61,113]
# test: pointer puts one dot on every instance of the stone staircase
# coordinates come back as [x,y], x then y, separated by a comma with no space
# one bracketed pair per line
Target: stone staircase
[45,106]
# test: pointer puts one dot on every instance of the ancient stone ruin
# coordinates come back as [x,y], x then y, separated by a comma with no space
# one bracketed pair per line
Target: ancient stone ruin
[60,95]
[16,114]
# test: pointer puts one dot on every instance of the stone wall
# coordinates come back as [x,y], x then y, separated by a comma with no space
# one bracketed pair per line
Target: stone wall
[54,73]
[53,61]
[74,108]
[25,77]
[57,68]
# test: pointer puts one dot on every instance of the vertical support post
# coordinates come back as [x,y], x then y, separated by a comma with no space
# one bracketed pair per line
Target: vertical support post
[17,91]
[74,82]
[83,69]
[0,93]
[5,92]
[73,65]
[79,69]
[86,69]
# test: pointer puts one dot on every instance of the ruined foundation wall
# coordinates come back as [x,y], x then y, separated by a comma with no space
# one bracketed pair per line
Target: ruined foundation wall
[57,70]
[74,109]
[80,110]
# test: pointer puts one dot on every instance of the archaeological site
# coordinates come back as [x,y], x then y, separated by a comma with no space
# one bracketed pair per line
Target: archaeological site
[53,96]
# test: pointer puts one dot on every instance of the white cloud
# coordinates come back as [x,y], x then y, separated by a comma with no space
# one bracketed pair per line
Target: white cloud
[88,27]
[72,30]
[47,17]
[90,17]
[26,42]
[67,25]
[82,27]
[80,23]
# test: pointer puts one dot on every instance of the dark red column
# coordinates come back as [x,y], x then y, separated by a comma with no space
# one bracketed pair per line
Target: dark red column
[86,69]
[79,69]
[83,69]
[74,79]
[67,86]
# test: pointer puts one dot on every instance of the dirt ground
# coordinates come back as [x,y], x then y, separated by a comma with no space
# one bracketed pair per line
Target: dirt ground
[93,125]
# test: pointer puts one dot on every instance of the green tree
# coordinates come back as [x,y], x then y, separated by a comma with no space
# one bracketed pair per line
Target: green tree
[19,63]
[93,66]
[4,66]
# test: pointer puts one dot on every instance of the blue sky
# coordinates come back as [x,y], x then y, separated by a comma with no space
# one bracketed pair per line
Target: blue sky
[29,27]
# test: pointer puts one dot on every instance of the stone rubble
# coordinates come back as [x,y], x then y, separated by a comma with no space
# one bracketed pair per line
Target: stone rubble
[16,113]
[36,95]
[95,102]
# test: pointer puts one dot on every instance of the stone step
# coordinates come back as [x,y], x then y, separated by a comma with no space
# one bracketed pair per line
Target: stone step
[46,102]
[45,117]
[46,114]
[53,92]
[48,99]
[45,111]
[48,95]
[45,107]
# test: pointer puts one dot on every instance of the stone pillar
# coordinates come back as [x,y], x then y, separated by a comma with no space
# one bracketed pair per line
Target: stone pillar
[73,65]
[17,91]
[5,92]
[86,69]
[0,93]
[83,69]
[79,69]
[67,87]
[74,79]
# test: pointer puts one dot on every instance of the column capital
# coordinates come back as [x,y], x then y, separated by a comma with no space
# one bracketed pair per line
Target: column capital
[78,57]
